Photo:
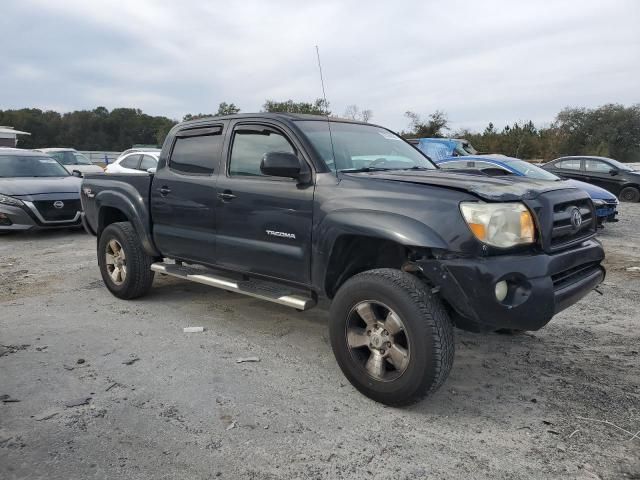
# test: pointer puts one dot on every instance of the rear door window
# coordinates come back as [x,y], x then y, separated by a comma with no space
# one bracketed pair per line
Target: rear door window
[573,164]
[196,154]
[132,161]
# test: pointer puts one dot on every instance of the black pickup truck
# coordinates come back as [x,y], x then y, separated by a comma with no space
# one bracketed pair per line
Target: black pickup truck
[293,208]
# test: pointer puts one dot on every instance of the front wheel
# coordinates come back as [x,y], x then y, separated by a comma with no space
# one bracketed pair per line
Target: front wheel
[124,266]
[630,194]
[391,336]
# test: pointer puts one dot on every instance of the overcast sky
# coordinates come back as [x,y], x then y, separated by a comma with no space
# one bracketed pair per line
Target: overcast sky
[479,61]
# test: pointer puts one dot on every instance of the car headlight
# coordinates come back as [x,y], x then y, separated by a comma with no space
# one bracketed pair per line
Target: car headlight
[7,200]
[501,225]
[599,202]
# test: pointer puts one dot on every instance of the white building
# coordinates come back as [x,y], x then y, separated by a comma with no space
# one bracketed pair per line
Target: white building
[9,136]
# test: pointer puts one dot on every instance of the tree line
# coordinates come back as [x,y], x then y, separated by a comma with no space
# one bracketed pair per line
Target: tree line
[611,130]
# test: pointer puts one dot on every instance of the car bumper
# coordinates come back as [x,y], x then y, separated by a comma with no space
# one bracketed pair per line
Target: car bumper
[86,225]
[606,214]
[539,286]
[17,219]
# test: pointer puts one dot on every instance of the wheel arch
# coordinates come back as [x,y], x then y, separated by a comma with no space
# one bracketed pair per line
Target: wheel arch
[356,241]
[114,206]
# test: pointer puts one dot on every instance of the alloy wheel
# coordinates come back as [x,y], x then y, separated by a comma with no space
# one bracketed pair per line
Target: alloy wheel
[116,262]
[377,340]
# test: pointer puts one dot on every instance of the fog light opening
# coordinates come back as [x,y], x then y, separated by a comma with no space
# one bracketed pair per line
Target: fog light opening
[4,219]
[502,288]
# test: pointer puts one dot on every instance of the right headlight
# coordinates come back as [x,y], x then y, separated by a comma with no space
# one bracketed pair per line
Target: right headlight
[501,225]
[7,200]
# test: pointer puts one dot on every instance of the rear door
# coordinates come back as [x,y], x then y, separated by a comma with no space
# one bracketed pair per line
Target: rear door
[264,223]
[183,196]
[569,168]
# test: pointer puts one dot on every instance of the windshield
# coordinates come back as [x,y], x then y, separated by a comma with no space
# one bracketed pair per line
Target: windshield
[362,147]
[464,148]
[619,165]
[69,157]
[12,166]
[530,170]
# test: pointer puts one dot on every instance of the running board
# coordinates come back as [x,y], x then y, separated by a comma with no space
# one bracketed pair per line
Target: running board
[254,288]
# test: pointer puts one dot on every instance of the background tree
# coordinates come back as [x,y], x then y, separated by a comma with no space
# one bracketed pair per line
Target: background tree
[435,126]
[353,112]
[196,116]
[226,109]
[317,107]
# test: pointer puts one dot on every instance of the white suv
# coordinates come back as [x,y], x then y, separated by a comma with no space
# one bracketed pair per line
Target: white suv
[135,162]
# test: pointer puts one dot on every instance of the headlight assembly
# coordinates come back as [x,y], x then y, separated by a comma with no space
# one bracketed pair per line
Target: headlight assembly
[501,225]
[6,200]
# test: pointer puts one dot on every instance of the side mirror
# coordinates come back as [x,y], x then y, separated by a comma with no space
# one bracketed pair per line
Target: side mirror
[151,170]
[613,172]
[280,164]
[77,173]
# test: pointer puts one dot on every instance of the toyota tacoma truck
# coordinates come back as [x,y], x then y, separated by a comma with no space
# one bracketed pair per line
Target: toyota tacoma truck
[296,208]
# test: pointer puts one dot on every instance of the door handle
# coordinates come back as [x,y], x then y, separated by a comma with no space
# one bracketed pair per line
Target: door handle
[164,190]
[226,196]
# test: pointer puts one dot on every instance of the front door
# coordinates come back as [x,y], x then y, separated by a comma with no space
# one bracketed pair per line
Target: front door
[263,223]
[598,172]
[183,196]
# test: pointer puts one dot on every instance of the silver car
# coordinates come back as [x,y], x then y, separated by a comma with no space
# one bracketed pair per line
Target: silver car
[36,192]
[72,160]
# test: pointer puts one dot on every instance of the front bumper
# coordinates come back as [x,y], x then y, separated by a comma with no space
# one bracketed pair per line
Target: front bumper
[16,219]
[606,213]
[540,285]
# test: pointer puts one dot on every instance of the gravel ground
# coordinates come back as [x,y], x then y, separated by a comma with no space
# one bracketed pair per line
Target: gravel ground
[164,404]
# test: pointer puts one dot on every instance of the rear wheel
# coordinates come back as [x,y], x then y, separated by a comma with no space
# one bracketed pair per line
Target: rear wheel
[391,336]
[124,266]
[630,194]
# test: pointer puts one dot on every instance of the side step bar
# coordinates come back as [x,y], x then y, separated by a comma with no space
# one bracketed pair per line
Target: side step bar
[254,288]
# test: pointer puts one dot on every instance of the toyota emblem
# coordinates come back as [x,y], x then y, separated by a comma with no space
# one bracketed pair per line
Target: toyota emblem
[576,218]
[58,204]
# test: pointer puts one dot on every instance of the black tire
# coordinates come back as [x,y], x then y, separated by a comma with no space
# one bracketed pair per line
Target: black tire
[139,276]
[428,330]
[630,194]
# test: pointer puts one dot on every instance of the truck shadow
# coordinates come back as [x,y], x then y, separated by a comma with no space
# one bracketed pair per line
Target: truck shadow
[493,375]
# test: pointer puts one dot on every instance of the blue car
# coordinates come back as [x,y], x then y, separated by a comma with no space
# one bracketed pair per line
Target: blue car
[497,165]
[440,148]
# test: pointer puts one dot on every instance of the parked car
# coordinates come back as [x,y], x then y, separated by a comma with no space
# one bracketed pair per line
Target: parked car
[71,159]
[620,179]
[272,206]
[36,192]
[439,148]
[605,202]
[138,150]
[135,162]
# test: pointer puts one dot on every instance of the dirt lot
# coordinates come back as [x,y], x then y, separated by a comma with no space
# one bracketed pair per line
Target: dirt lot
[164,404]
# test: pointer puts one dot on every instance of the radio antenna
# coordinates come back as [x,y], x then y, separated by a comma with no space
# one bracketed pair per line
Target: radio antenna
[326,111]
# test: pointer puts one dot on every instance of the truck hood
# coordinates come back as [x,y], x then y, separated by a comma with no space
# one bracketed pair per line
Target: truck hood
[494,189]
[23,186]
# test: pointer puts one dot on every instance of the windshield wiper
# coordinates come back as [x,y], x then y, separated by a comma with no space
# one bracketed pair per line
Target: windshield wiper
[415,167]
[364,169]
